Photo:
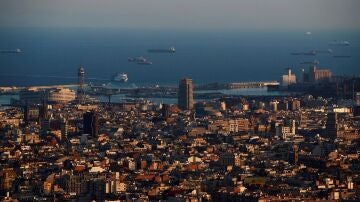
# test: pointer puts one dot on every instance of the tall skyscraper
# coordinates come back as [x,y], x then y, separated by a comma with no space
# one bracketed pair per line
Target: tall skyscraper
[303,76]
[44,117]
[64,126]
[357,98]
[295,105]
[356,108]
[91,123]
[294,154]
[43,111]
[288,78]
[274,105]
[332,125]
[185,96]
[81,88]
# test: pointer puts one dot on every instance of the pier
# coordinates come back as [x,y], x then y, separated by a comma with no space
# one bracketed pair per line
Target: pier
[258,84]
[236,85]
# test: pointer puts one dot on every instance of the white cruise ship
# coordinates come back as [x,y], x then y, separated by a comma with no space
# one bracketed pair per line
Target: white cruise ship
[121,77]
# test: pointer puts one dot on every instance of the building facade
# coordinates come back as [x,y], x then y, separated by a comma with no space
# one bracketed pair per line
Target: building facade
[319,75]
[35,96]
[61,95]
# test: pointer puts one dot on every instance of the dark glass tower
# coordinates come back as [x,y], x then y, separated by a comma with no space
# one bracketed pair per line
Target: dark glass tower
[332,127]
[91,124]
[185,97]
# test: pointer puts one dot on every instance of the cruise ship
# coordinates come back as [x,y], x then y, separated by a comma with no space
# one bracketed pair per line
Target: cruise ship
[120,77]
[167,50]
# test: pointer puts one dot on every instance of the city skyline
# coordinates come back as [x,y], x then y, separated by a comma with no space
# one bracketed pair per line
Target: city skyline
[169,100]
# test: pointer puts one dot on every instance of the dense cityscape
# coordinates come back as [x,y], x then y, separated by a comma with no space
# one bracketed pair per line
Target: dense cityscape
[59,144]
[179,101]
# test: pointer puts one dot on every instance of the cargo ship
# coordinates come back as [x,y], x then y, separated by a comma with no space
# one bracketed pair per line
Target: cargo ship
[312,52]
[315,62]
[342,56]
[339,43]
[137,59]
[167,50]
[18,50]
[144,63]
[140,60]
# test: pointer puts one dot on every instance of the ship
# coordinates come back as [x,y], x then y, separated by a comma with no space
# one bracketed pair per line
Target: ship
[310,53]
[325,51]
[339,43]
[137,59]
[315,62]
[147,62]
[342,56]
[167,50]
[140,60]
[18,50]
[120,77]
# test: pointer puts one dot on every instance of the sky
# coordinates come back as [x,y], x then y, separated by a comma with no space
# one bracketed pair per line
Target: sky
[183,14]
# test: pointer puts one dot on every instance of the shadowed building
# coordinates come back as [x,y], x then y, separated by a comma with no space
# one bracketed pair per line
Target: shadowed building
[185,99]
[356,110]
[165,111]
[91,124]
[357,98]
[332,127]
[31,113]
[294,154]
[32,96]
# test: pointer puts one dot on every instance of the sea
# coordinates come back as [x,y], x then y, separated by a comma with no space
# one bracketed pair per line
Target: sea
[53,55]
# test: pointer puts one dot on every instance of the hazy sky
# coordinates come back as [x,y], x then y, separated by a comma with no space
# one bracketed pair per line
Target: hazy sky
[183,14]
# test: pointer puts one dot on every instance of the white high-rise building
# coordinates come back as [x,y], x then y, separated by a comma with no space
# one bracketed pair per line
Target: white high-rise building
[288,78]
